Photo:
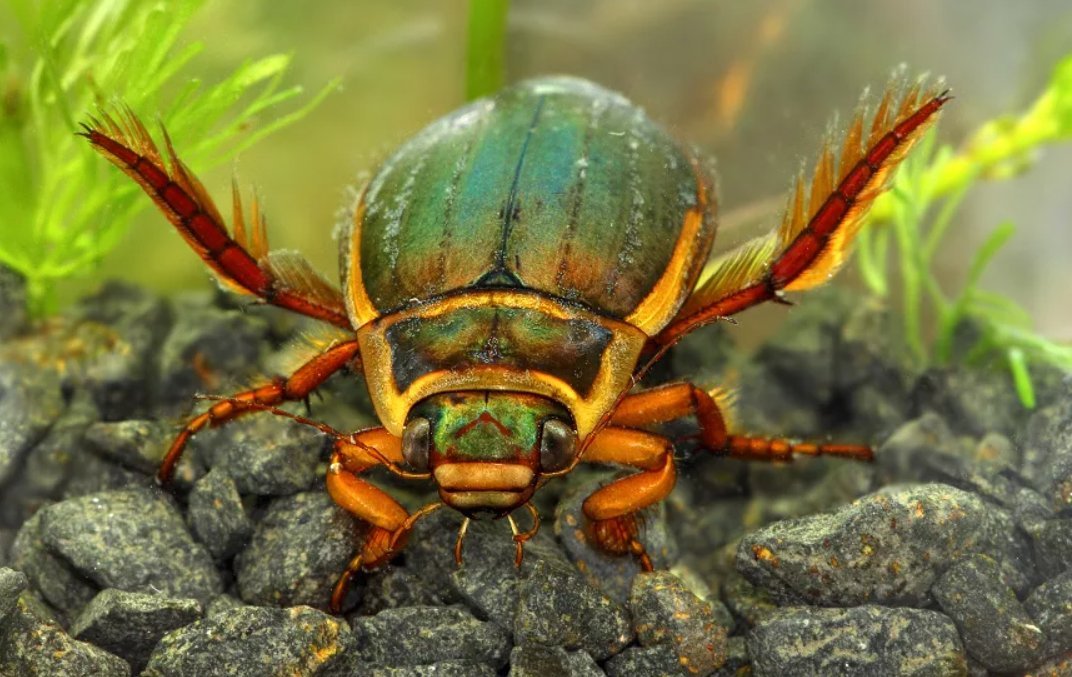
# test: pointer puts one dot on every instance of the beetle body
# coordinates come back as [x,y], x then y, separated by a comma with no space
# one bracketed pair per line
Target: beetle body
[508,275]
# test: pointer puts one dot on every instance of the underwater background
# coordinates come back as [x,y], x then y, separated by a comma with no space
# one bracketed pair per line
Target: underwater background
[951,554]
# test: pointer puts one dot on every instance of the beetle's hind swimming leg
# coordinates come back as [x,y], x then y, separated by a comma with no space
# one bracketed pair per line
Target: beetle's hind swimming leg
[678,400]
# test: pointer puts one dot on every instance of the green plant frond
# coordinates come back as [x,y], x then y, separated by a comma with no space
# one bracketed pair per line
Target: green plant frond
[75,55]
[935,180]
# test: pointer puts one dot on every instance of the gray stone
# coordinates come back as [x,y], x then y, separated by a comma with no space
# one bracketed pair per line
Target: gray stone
[1047,445]
[297,552]
[395,586]
[12,583]
[738,662]
[125,325]
[265,455]
[30,402]
[136,444]
[747,602]
[651,661]
[222,604]
[974,401]
[96,475]
[540,661]
[996,630]
[425,635]
[613,574]
[133,540]
[33,643]
[14,318]
[206,348]
[558,608]
[667,612]
[53,577]
[888,547]
[440,669]
[253,641]
[1050,606]
[129,624]
[216,515]
[865,640]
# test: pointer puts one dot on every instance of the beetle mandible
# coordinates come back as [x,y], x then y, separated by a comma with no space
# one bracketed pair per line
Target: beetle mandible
[508,274]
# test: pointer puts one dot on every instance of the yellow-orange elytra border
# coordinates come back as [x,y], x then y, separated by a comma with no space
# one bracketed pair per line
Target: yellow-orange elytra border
[358,304]
[686,262]
[392,405]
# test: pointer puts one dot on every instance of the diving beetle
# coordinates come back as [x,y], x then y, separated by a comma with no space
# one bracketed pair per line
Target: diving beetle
[508,274]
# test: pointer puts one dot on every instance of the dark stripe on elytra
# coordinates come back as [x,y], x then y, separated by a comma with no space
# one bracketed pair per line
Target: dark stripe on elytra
[577,193]
[448,211]
[511,201]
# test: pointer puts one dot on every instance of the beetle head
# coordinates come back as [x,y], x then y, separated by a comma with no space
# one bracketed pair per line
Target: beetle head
[488,449]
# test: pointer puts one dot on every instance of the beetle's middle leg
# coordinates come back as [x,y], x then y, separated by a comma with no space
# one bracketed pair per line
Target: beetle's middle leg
[678,400]
[297,386]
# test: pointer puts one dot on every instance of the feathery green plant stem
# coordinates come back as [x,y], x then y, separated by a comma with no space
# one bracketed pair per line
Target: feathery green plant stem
[485,54]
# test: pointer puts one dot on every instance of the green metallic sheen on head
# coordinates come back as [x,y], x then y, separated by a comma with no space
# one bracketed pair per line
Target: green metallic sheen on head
[554,184]
[488,426]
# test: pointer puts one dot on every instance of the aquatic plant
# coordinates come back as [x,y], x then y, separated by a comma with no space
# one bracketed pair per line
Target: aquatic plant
[62,209]
[485,70]
[917,214]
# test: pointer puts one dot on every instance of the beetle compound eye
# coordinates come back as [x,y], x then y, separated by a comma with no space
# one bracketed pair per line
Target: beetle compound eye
[557,445]
[416,440]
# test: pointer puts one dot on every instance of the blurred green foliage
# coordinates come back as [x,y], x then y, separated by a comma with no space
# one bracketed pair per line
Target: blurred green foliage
[63,207]
[916,215]
[485,70]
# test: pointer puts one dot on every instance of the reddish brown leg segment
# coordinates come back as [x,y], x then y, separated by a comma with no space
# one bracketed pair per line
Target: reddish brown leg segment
[612,509]
[678,400]
[388,519]
[298,386]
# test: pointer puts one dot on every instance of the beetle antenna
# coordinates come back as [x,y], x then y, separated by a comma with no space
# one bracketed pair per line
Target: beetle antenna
[458,543]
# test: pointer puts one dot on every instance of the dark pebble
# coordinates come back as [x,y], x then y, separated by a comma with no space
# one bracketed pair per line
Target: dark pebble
[132,540]
[54,578]
[216,515]
[994,626]
[974,401]
[208,349]
[33,643]
[136,444]
[395,586]
[540,661]
[558,608]
[15,318]
[612,574]
[12,583]
[222,604]
[425,635]
[1050,606]
[747,602]
[665,611]
[96,475]
[129,624]
[265,455]
[887,548]
[116,370]
[440,669]
[1048,452]
[651,661]
[30,402]
[738,661]
[297,552]
[865,640]
[253,641]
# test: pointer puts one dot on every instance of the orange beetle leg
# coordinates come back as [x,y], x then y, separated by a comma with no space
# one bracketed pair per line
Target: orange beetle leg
[611,510]
[389,521]
[298,386]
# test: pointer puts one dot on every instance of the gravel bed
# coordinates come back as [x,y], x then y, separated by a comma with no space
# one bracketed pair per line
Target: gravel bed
[950,555]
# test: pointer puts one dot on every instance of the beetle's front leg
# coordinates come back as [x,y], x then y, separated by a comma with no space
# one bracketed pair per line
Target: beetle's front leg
[611,510]
[677,400]
[390,522]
